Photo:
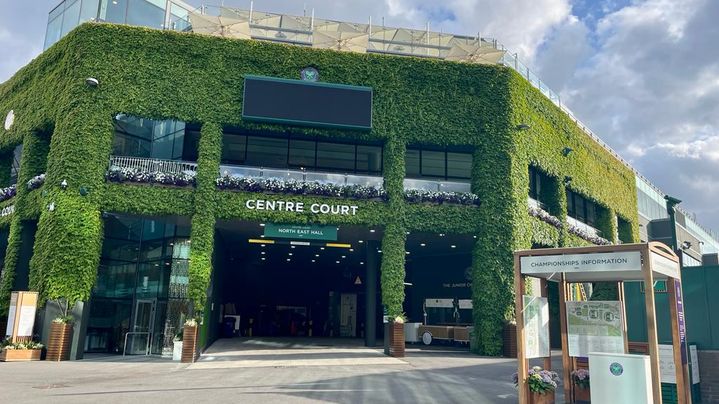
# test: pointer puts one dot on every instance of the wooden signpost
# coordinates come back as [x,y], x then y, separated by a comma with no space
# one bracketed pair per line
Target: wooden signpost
[21,316]
[616,263]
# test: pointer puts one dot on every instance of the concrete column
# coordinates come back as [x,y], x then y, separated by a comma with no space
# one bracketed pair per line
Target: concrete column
[370,284]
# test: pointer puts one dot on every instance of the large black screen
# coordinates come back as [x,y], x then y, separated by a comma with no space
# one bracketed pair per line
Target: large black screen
[307,103]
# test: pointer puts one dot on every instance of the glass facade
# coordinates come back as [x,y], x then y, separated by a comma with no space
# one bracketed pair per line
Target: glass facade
[438,164]
[289,151]
[145,13]
[147,138]
[141,285]
[650,202]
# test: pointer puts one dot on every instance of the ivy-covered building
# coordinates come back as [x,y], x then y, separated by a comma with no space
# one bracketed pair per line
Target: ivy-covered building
[152,175]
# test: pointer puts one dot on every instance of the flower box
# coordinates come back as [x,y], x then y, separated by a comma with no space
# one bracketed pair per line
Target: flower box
[189,344]
[59,341]
[20,355]
[581,395]
[537,398]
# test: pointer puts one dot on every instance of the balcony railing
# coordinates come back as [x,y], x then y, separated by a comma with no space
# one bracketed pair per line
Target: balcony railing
[584,227]
[437,185]
[302,176]
[153,165]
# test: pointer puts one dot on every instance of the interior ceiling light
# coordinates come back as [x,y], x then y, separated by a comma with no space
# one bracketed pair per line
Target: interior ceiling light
[263,258]
[344,256]
[337,262]
[292,246]
[322,248]
[379,251]
[288,260]
[453,246]
[422,244]
[262,225]
[371,230]
[361,241]
[313,260]
[361,262]
[441,234]
[406,252]
[263,253]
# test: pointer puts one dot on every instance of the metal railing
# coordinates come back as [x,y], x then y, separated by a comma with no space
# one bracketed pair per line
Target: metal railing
[302,176]
[152,165]
[436,185]
[533,203]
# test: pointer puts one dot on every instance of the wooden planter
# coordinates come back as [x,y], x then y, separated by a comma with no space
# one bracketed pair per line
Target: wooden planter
[581,395]
[396,347]
[509,340]
[536,398]
[59,342]
[20,355]
[189,344]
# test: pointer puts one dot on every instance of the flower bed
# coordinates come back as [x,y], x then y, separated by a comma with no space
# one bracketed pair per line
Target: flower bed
[299,187]
[7,192]
[119,174]
[544,216]
[437,197]
[20,351]
[36,182]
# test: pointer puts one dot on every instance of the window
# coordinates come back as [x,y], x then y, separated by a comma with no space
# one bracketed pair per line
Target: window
[336,156]
[581,208]
[266,151]
[146,14]
[288,151]
[438,164]
[15,168]
[537,180]
[147,138]
[71,17]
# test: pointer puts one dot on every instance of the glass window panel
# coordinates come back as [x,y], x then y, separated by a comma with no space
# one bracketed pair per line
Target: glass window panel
[115,279]
[411,163]
[145,14]
[591,213]
[126,145]
[433,164]
[570,204]
[89,10]
[369,159]
[190,145]
[580,207]
[266,151]
[233,148]
[336,156]
[121,250]
[135,126]
[56,11]
[179,18]
[148,279]
[302,153]
[54,31]
[113,11]
[70,17]
[15,168]
[459,165]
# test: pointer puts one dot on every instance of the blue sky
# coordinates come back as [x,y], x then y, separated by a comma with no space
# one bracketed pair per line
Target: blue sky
[643,74]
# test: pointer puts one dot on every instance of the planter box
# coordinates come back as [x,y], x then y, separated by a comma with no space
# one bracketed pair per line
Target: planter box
[189,344]
[581,395]
[396,348]
[536,398]
[509,341]
[59,341]
[20,355]
[177,350]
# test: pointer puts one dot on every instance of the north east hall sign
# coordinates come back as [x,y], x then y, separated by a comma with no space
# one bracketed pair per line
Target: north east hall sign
[301,207]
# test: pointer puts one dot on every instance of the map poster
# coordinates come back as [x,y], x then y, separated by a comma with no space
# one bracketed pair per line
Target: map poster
[536,327]
[595,326]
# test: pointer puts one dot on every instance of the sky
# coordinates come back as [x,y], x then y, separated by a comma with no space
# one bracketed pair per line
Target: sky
[642,74]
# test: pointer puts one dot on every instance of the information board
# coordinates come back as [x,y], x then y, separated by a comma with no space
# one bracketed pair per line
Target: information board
[536,327]
[595,326]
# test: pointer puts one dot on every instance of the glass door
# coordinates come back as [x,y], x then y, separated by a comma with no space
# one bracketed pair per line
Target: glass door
[138,340]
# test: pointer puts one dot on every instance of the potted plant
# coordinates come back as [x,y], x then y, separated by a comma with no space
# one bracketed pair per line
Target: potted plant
[580,378]
[177,346]
[189,341]
[60,338]
[542,384]
[397,336]
[20,351]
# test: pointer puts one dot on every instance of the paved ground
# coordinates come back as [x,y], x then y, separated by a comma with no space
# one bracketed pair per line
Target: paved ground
[267,371]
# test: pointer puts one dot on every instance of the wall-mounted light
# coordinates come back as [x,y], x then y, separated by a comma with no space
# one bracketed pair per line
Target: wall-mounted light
[84,191]
[567,180]
[686,245]
[51,206]
[523,126]
[92,82]
[63,184]
[567,151]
